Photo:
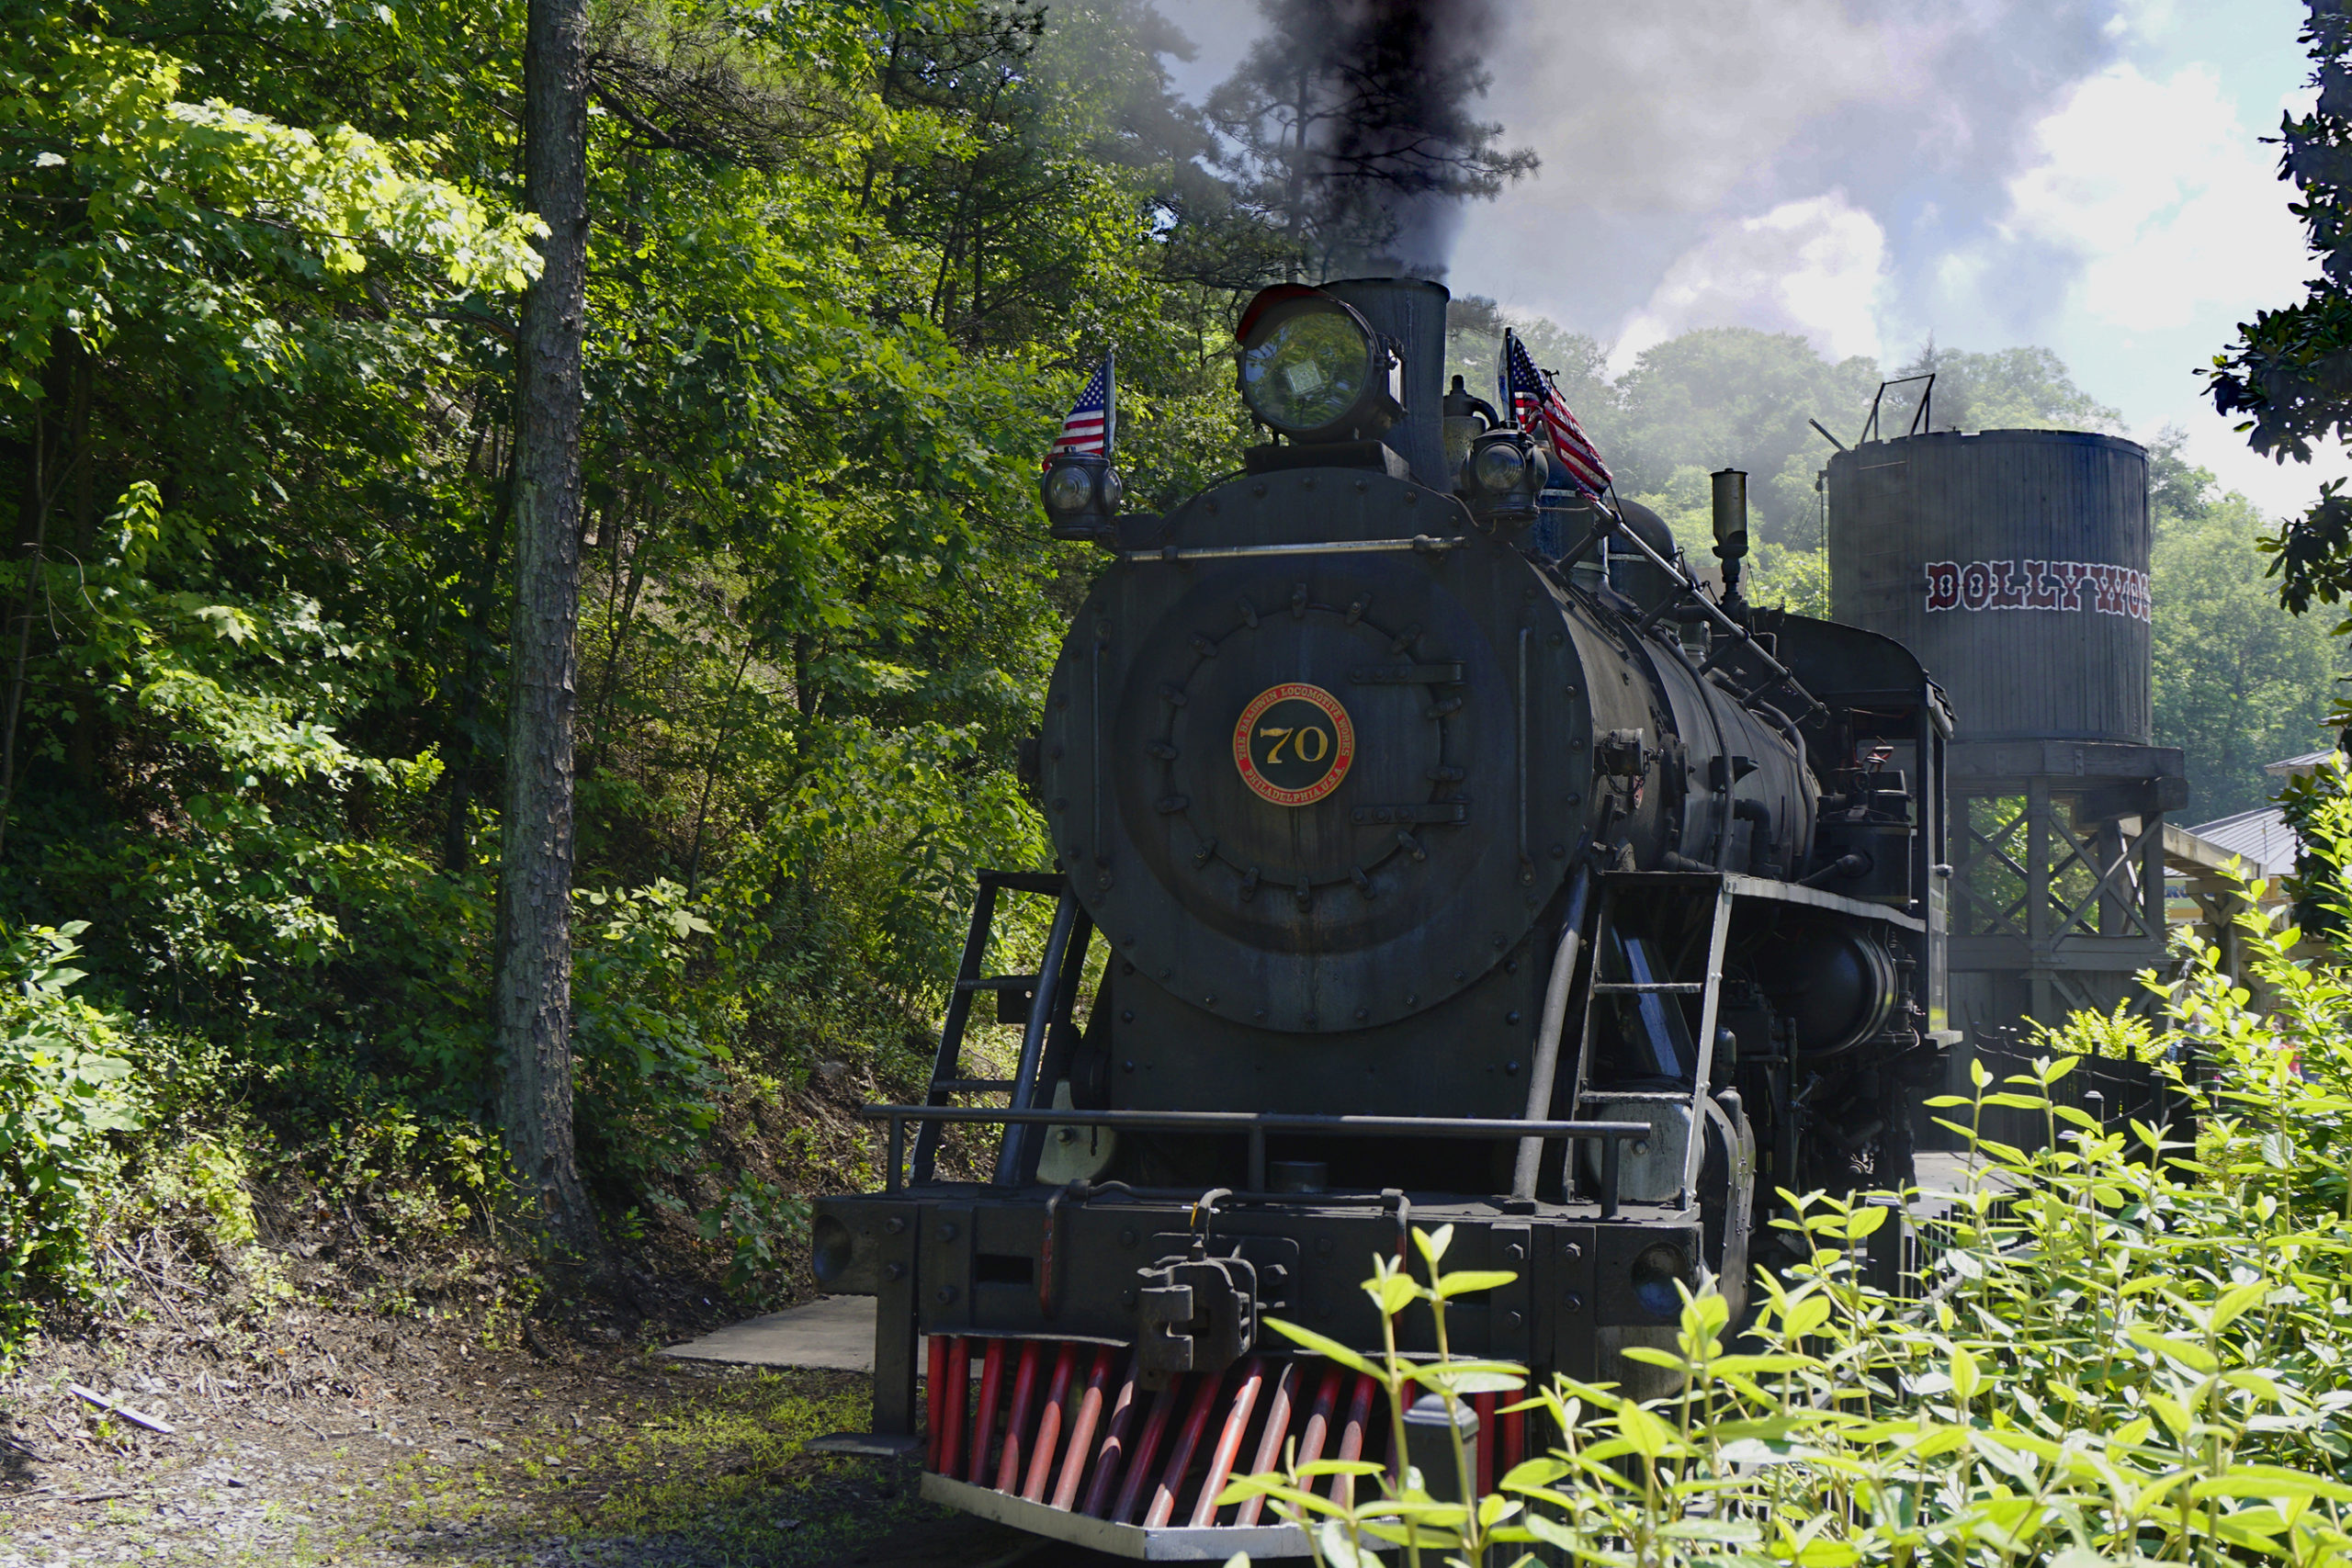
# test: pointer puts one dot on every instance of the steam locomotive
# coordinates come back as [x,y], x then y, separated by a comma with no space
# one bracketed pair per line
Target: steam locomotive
[1454,856]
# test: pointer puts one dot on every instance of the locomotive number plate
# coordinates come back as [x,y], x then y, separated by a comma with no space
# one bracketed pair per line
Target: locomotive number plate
[1294,743]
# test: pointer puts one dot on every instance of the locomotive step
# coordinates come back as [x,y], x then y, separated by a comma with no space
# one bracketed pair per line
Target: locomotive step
[1024,881]
[1649,986]
[999,983]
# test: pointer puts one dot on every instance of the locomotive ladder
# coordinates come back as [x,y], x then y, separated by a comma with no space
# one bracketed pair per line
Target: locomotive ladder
[1048,1013]
[1603,990]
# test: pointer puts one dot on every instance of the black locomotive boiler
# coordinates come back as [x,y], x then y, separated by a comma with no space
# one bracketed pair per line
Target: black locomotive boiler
[1457,857]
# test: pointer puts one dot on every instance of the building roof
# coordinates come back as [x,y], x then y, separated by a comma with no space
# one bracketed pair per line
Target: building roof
[2292,766]
[2261,837]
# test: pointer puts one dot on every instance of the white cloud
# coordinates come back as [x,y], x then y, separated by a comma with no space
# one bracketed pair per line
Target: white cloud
[2278,489]
[1645,109]
[2164,197]
[1816,267]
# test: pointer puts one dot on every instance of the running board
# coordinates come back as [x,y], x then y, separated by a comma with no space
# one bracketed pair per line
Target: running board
[1168,1543]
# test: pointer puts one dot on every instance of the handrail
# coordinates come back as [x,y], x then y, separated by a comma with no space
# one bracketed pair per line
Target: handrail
[1256,1125]
[1423,544]
[1688,587]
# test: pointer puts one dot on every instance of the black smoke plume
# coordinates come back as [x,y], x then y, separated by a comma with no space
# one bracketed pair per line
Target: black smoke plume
[1354,129]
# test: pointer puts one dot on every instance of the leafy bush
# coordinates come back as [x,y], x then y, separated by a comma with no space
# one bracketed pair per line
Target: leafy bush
[2127,1349]
[2121,1034]
[650,1073]
[63,1088]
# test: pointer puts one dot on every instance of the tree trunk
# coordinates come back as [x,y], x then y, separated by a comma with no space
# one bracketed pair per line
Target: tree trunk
[534,991]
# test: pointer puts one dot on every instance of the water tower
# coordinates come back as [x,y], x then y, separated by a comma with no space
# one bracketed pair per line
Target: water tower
[2015,564]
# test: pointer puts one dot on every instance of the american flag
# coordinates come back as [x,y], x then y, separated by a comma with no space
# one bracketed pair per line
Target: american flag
[1536,403]
[1092,423]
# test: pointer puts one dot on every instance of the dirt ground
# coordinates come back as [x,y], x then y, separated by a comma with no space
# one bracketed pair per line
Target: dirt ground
[348,1392]
[351,1440]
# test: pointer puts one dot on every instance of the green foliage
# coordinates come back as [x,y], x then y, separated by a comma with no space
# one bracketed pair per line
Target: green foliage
[849,262]
[2286,372]
[136,203]
[2239,682]
[2318,809]
[766,1227]
[2120,1034]
[1790,577]
[648,1080]
[202,1185]
[2128,1349]
[63,1085]
[2014,389]
[1734,397]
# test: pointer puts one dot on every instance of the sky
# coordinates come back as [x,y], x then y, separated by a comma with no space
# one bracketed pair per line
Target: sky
[2083,175]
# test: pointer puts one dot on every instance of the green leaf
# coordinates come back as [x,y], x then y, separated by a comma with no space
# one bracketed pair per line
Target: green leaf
[1470,1377]
[2195,1357]
[1551,1532]
[1805,1314]
[1392,1292]
[1649,1435]
[1322,1345]
[1964,1378]
[1728,1531]
[2233,1303]
[1462,1281]
[1767,1451]
[1532,1472]
[2271,1480]
[1750,1365]
[1704,1316]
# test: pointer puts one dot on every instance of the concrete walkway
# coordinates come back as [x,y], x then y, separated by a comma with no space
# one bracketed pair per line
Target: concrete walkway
[832,1332]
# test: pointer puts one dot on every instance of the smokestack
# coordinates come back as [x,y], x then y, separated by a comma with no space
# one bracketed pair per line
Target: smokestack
[1413,311]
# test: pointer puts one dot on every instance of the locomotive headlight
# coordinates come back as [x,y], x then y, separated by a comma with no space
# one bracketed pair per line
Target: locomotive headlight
[1312,369]
[1501,475]
[1499,468]
[1081,491]
[1069,488]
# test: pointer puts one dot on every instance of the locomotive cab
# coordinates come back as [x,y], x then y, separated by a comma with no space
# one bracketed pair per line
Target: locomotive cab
[1439,879]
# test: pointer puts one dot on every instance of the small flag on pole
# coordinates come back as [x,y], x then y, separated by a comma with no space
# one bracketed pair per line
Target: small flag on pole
[1536,405]
[1093,423]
